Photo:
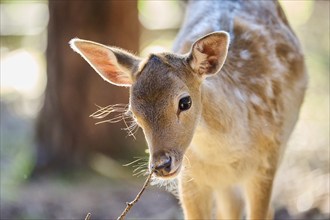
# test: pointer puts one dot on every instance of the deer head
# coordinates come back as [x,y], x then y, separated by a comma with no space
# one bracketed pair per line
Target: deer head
[165,91]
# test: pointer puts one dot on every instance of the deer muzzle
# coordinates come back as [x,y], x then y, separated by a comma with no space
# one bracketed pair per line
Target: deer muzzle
[164,165]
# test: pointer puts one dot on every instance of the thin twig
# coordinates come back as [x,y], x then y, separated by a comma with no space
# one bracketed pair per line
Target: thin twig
[129,205]
[88,216]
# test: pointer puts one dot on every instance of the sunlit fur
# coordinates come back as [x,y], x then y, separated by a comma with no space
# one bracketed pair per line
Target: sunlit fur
[227,147]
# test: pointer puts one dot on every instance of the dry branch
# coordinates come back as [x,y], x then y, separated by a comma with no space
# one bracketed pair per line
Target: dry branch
[88,216]
[129,205]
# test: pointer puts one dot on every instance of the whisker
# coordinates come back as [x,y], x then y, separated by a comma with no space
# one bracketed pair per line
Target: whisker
[190,180]
[124,114]
[130,163]
[141,173]
[135,129]
[185,156]
[140,166]
[116,119]
[138,169]
[105,111]
[128,128]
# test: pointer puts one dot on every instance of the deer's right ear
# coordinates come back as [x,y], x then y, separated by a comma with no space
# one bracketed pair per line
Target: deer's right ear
[112,64]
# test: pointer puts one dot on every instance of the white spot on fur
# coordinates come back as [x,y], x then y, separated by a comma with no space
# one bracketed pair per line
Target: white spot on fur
[269,90]
[240,64]
[236,75]
[255,99]
[256,80]
[246,36]
[239,94]
[274,113]
[245,54]
[253,80]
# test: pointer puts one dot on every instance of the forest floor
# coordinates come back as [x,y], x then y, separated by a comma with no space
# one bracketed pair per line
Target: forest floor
[57,198]
[67,198]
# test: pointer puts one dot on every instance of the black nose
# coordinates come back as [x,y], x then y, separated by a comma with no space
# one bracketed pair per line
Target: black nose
[162,165]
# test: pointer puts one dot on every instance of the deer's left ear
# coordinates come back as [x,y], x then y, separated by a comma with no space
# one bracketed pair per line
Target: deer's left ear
[209,53]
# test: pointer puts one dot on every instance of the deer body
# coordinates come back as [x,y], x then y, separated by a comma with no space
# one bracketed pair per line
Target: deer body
[255,103]
[216,116]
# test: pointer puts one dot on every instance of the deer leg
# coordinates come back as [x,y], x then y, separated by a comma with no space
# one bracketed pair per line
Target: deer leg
[196,200]
[258,191]
[229,204]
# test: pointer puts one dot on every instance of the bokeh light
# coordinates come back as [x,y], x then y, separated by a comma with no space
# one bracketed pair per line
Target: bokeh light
[21,72]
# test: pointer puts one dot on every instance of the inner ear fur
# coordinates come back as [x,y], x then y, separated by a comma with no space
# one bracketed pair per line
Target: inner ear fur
[114,65]
[209,53]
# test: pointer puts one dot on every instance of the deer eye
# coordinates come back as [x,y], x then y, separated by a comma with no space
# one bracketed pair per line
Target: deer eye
[185,103]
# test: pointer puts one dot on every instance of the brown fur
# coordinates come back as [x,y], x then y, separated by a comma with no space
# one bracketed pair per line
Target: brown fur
[225,149]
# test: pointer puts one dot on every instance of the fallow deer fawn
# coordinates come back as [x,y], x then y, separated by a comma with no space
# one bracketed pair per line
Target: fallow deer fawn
[216,114]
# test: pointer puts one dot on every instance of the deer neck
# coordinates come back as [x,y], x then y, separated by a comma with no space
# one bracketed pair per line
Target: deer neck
[217,110]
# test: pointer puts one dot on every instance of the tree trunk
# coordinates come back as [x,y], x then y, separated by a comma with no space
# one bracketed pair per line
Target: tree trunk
[65,134]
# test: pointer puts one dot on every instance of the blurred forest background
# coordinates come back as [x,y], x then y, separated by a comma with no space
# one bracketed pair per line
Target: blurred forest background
[56,163]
